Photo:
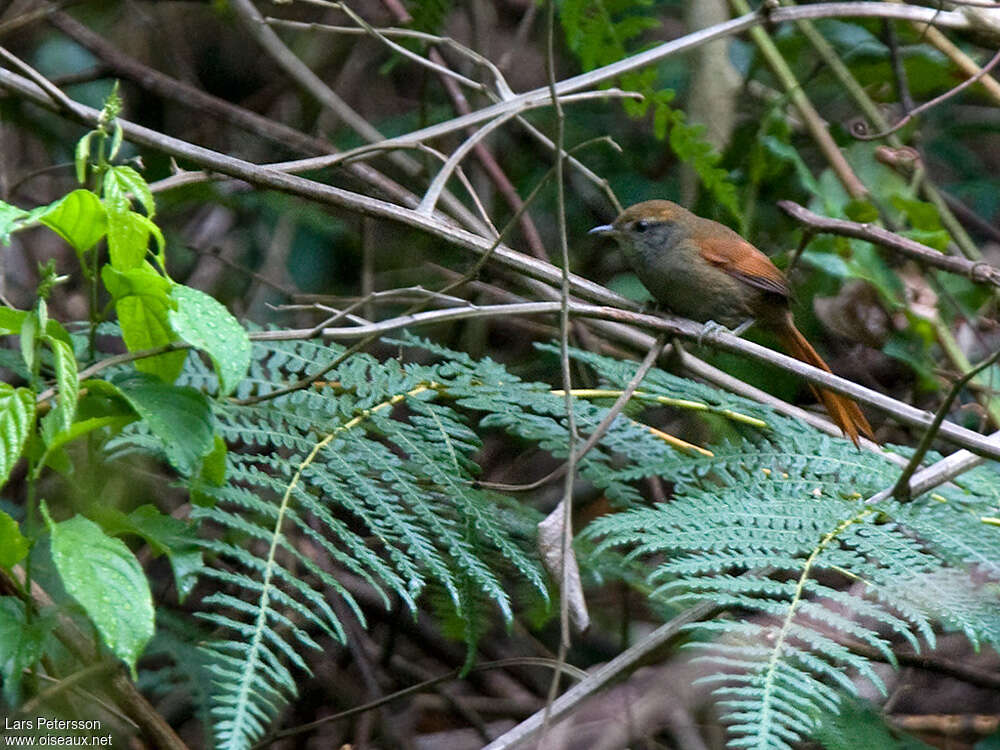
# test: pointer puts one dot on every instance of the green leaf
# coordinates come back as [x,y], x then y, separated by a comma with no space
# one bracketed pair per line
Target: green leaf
[213,467]
[10,219]
[102,574]
[180,417]
[81,156]
[920,214]
[79,218]
[165,535]
[128,238]
[56,330]
[862,211]
[66,382]
[212,474]
[85,427]
[21,644]
[204,322]
[121,181]
[17,417]
[937,239]
[787,152]
[142,298]
[13,545]
[101,406]
[11,320]
[28,339]
[117,136]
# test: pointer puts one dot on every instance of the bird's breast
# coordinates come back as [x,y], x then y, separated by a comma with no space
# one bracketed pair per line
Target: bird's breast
[688,285]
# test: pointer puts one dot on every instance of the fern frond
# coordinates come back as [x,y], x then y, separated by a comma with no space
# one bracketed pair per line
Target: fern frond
[774,529]
[373,469]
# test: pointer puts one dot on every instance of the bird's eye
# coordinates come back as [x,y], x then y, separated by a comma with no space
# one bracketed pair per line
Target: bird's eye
[641,225]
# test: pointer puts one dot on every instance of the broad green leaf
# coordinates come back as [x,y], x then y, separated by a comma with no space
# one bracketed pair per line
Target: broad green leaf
[11,320]
[179,416]
[165,535]
[21,644]
[56,330]
[925,220]
[13,545]
[204,322]
[102,574]
[142,298]
[101,406]
[128,238]
[79,218]
[120,182]
[17,417]
[937,239]
[867,263]
[10,218]
[827,262]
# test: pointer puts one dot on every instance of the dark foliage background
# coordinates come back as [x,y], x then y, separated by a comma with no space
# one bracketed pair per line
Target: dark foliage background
[883,322]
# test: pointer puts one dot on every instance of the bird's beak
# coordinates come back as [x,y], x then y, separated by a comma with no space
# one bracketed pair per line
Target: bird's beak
[605,230]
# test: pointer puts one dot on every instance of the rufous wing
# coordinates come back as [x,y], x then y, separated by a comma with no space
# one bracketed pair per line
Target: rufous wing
[739,258]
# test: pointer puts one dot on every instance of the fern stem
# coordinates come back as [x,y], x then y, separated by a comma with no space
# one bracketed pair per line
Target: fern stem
[771,671]
[680,403]
[241,711]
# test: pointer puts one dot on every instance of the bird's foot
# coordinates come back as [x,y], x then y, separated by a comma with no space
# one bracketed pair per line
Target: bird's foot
[711,329]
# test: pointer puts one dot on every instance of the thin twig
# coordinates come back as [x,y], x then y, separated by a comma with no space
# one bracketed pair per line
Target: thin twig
[429,201]
[189,96]
[57,96]
[938,473]
[933,102]
[954,53]
[815,124]
[517,262]
[683,44]
[898,69]
[901,491]
[486,159]
[299,72]
[603,426]
[569,574]
[420,687]
[401,50]
[571,700]
[975,271]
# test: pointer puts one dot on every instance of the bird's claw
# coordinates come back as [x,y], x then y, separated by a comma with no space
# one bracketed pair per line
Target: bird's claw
[710,330]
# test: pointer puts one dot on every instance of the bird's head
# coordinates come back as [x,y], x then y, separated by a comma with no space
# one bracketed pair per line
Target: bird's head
[652,226]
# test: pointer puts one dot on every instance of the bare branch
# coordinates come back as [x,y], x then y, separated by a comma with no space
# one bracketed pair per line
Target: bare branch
[976,271]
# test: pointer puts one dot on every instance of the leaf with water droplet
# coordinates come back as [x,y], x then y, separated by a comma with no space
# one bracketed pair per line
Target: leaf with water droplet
[102,574]
[204,322]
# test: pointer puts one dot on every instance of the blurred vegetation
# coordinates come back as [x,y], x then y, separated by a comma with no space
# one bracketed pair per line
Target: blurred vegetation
[419,530]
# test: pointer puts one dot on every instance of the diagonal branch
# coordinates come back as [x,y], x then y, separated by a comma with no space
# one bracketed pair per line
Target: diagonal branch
[512,260]
[976,271]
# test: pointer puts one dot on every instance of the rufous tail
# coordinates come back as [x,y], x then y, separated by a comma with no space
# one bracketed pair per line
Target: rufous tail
[843,411]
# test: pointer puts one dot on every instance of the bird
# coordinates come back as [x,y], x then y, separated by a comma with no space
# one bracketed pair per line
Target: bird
[703,270]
